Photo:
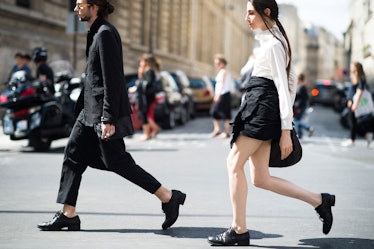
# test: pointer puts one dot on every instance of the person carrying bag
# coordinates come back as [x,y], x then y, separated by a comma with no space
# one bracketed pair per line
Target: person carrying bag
[360,104]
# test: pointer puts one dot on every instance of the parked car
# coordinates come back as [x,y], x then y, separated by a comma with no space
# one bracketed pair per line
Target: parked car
[236,94]
[173,110]
[345,121]
[131,88]
[185,90]
[324,92]
[203,92]
[341,97]
[169,110]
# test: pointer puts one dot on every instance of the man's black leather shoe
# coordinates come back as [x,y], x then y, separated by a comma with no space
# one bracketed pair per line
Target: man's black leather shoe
[230,238]
[324,211]
[171,209]
[60,221]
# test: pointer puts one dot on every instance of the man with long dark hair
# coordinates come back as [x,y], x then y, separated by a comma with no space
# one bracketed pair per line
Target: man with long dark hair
[103,119]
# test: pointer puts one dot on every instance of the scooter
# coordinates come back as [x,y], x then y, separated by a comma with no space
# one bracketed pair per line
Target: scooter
[39,111]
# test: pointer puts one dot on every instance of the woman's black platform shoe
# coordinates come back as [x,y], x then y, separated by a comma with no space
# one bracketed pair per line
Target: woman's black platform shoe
[324,211]
[230,238]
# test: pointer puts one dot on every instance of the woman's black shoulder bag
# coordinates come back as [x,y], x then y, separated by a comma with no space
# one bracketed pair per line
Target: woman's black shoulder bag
[292,159]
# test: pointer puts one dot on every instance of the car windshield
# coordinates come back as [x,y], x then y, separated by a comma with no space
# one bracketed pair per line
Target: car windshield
[197,83]
[176,79]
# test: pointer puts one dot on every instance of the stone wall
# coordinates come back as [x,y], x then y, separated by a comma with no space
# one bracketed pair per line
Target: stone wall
[184,34]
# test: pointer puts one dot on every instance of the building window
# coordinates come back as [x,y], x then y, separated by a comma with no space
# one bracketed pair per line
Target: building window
[368,6]
[23,3]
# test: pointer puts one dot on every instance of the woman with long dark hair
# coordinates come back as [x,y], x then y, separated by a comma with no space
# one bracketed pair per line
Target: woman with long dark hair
[265,115]
[149,84]
[356,91]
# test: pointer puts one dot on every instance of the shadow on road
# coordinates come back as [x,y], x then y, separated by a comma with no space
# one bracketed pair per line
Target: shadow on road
[183,232]
[327,243]
[339,243]
[204,232]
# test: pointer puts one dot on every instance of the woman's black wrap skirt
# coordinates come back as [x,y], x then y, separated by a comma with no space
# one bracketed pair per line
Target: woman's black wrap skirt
[258,116]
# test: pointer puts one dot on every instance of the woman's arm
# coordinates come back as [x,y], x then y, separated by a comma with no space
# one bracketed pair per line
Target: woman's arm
[357,99]
[286,85]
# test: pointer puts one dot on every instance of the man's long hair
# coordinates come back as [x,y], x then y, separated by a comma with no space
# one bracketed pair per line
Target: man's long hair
[105,8]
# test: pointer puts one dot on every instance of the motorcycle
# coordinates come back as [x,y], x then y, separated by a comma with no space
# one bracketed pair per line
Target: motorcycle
[39,111]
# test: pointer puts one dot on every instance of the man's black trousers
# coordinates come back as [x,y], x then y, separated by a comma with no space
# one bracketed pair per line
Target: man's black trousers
[85,149]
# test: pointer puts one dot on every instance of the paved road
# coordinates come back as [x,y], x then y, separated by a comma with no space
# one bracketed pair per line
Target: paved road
[117,214]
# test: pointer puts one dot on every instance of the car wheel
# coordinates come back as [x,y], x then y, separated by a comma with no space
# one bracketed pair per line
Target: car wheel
[183,116]
[39,143]
[191,110]
[170,120]
[339,103]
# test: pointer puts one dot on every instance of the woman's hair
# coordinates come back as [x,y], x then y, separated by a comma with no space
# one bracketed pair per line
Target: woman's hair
[301,77]
[105,8]
[260,6]
[151,61]
[221,59]
[359,74]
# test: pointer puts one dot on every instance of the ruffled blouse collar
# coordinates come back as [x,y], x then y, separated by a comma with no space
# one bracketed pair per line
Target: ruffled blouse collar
[263,36]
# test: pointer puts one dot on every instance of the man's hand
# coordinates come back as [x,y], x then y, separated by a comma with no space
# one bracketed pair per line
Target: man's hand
[107,131]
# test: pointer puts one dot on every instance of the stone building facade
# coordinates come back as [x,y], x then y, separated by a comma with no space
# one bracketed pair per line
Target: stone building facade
[359,37]
[316,52]
[183,34]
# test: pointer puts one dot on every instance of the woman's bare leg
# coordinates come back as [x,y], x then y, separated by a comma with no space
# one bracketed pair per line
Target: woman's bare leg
[146,132]
[227,126]
[155,129]
[238,156]
[261,178]
[216,128]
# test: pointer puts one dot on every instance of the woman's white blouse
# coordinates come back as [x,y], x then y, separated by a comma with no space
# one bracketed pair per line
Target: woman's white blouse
[271,63]
[223,82]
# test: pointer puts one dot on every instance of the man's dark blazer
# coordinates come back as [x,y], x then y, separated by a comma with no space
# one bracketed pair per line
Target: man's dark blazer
[104,97]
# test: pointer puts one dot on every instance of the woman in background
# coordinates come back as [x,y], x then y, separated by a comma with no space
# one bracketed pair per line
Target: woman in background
[221,109]
[358,86]
[148,86]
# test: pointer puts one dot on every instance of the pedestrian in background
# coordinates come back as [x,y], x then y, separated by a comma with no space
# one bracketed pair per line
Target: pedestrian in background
[44,72]
[300,107]
[103,111]
[221,108]
[264,115]
[359,84]
[149,84]
[27,59]
[21,64]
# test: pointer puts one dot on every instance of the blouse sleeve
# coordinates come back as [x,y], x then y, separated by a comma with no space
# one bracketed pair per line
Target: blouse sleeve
[286,86]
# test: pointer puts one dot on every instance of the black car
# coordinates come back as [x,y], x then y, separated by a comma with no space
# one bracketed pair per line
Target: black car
[327,92]
[173,110]
[185,90]
[169,110]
